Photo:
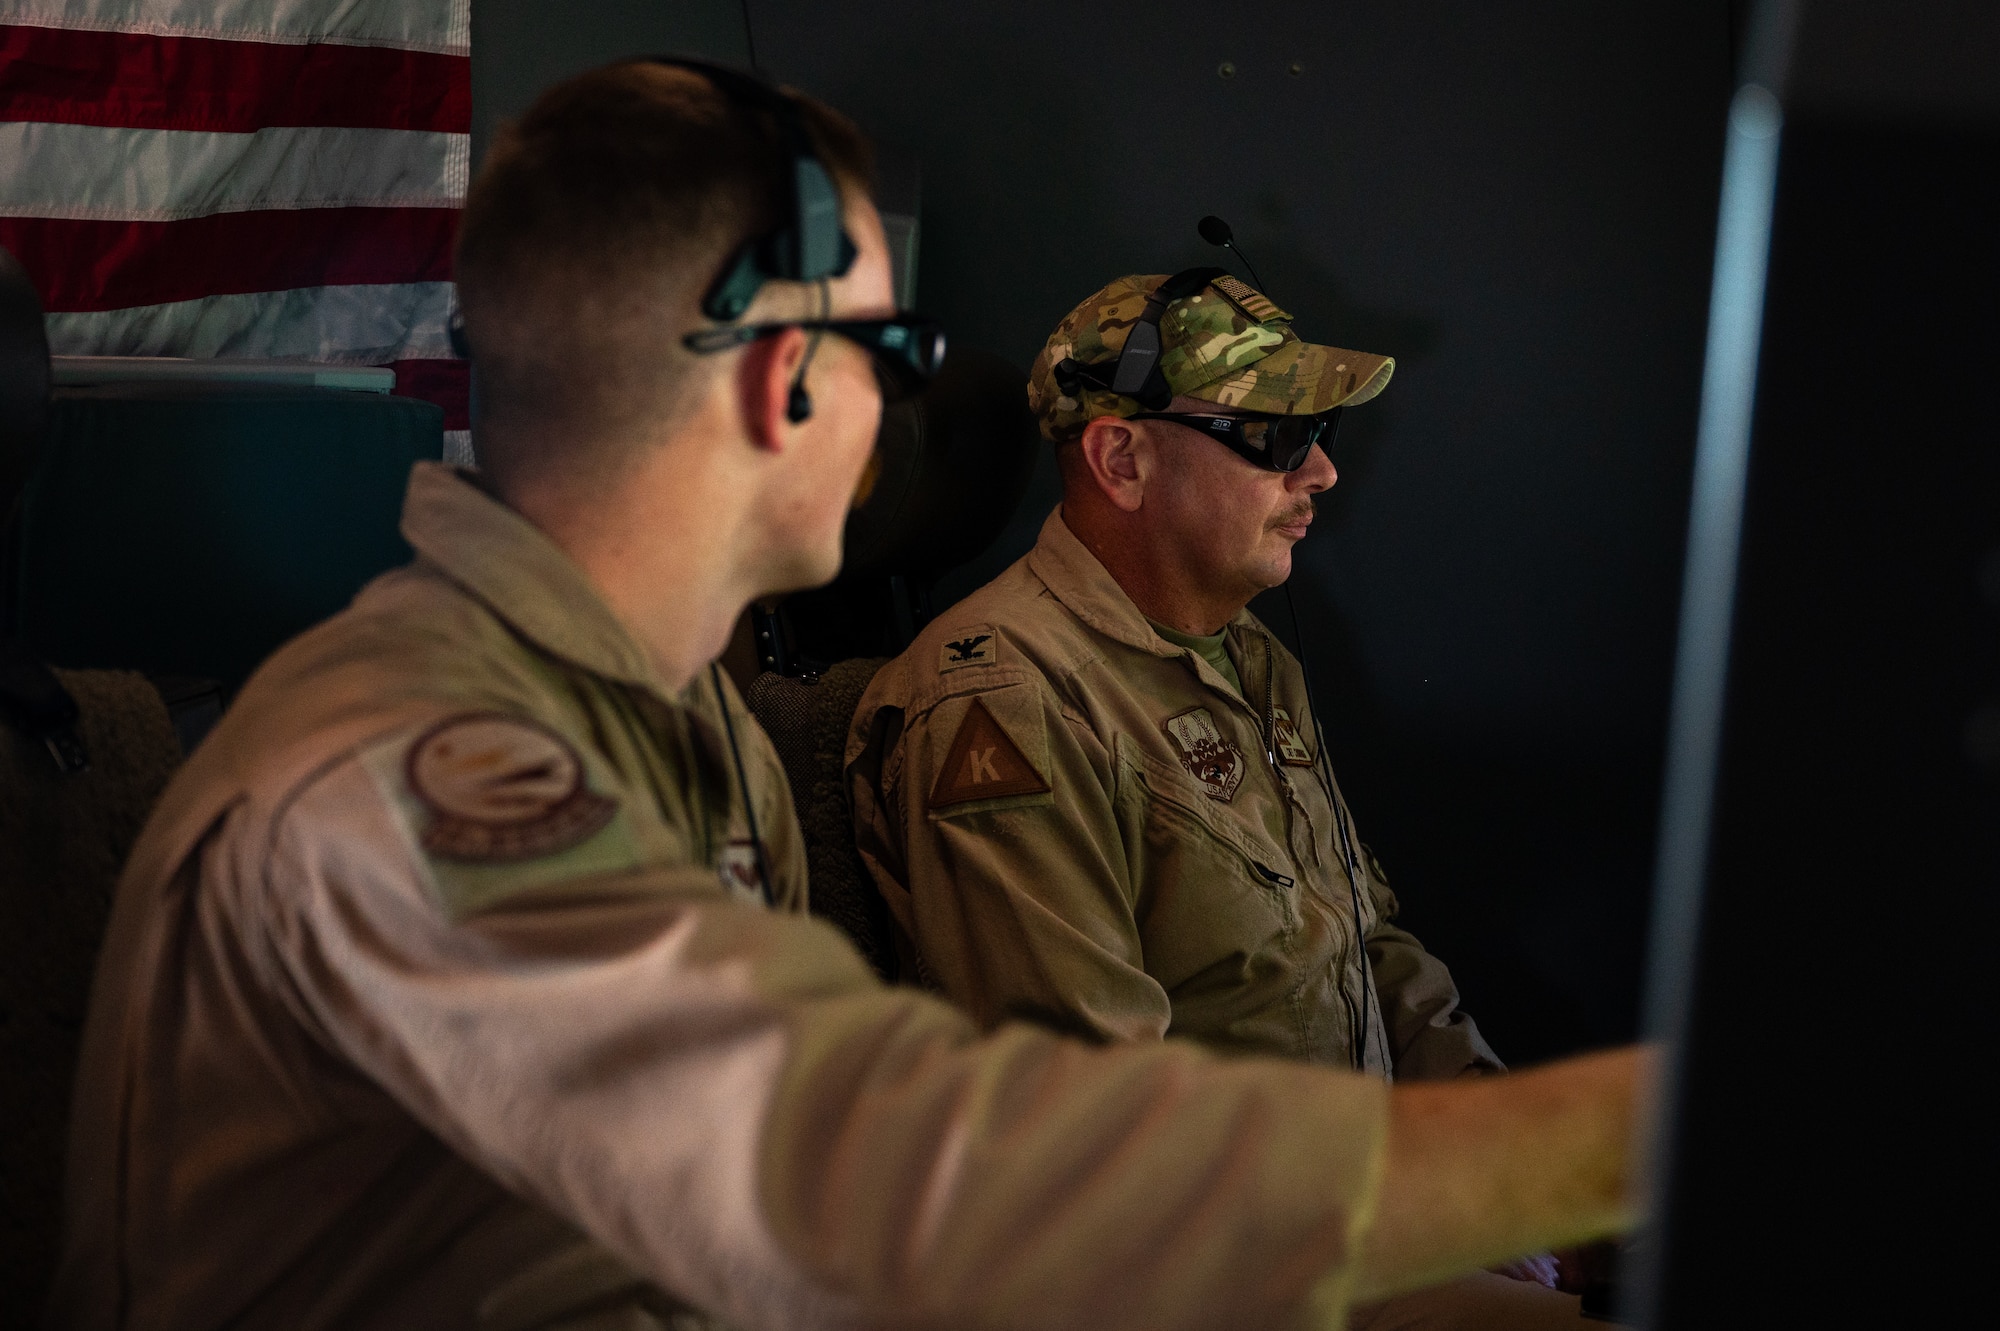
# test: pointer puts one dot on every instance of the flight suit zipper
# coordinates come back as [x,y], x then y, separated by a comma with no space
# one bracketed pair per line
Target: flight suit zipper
[1295,809]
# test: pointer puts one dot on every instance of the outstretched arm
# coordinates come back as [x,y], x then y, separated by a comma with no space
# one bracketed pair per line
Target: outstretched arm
[1486,1169]
[726,1099]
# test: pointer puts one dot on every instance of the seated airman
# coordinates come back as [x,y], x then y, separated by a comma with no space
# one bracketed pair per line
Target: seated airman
[1095,794]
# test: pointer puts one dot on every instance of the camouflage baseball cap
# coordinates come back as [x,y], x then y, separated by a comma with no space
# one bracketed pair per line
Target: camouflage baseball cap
[1226,344]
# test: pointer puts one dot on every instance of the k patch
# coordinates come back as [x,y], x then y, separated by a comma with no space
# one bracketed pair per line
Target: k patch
[983,763]
[973,646]
[1207,756]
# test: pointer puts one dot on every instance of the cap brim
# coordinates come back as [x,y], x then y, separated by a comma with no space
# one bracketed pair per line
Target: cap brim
[1302,379]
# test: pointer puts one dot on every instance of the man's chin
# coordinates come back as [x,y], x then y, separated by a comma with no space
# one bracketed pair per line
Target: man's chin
[806,572]
[1276,568]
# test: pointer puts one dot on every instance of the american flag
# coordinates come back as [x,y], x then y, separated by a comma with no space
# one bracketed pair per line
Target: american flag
[242,178]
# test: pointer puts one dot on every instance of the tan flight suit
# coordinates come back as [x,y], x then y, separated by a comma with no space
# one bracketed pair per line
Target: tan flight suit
[1077,822]
[438,994]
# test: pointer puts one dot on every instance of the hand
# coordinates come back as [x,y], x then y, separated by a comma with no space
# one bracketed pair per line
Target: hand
[1592,1265]
[1538,1269]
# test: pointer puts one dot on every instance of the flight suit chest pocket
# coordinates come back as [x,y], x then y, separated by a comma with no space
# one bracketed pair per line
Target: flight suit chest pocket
[1210,892]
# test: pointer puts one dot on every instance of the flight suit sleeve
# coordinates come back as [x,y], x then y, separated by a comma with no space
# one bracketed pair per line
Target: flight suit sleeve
[1430,1039]
[1018,905]
[726,1098]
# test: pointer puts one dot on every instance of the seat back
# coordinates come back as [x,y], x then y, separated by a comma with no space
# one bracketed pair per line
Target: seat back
[24,402]
[24,378]
[63,839]
[807,719]
[188,530]
[951,467]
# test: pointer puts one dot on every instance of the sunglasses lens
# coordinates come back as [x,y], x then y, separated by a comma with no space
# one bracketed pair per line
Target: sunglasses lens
[1298,434]
[1284,443]
[907,354]
[931,338]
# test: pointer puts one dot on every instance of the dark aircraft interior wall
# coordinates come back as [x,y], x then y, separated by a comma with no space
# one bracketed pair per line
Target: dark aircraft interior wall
[1517,201]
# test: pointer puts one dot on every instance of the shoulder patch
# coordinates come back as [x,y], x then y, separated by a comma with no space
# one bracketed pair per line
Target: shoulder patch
[969,647]
[983,763]
[500,788]
[1207,756]
[1292,750]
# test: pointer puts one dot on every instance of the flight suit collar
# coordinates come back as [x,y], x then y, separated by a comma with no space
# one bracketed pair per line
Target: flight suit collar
[522,575]
[1078,579]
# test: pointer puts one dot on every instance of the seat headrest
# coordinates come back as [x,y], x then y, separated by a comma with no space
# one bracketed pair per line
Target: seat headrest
[952,466]
[24,378]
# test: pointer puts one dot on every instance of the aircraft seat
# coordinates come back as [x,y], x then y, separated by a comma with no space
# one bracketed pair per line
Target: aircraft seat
[807,719]
[177,531]
[63,840]
[83,755]
[951,467]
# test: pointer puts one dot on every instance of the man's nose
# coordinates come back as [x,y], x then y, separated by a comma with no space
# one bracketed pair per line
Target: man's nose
[1316,474]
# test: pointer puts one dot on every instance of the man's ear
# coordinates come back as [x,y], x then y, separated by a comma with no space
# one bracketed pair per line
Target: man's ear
[764,381]
[1118,456]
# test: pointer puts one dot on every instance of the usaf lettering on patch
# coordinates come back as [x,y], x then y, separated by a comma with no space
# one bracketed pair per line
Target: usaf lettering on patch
[968,647]
[1292,750]
[1207,756]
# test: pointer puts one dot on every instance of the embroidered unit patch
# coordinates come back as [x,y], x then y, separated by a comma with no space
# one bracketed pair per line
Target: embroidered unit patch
[983,763]
[1292,750]
[1208,757]
[501,788]
[969,647]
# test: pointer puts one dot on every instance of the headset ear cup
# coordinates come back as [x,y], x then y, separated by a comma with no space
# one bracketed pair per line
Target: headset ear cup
[798,405]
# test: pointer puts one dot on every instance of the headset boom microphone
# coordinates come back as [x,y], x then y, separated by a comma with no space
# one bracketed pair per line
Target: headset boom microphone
[1216,232]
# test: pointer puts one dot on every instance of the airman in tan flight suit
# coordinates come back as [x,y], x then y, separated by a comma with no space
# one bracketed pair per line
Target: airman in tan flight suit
[1092,792]
[460,979]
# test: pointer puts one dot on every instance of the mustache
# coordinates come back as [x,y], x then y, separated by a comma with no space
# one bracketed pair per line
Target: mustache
[1303,513]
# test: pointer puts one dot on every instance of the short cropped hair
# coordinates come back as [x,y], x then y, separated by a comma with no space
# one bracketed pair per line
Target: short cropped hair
[597,221]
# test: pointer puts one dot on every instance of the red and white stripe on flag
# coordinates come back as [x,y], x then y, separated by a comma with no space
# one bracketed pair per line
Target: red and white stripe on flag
[249,178]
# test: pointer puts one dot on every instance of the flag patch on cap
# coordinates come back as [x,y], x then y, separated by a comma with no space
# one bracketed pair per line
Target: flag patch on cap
[983,763]
[1254,303]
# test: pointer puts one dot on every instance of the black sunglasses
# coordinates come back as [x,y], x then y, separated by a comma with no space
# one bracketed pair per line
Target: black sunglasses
[1276,443]
[907,348]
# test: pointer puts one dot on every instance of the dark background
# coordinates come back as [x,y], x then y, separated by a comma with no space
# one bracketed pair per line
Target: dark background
[1517,201]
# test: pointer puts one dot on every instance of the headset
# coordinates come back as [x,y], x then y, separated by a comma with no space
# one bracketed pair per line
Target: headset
[1136,373]
[809,244]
